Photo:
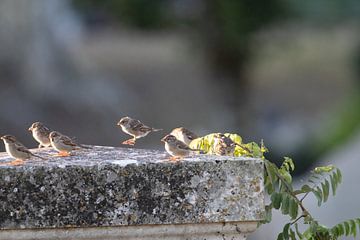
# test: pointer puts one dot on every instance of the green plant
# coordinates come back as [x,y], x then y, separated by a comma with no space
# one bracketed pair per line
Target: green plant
[322,182]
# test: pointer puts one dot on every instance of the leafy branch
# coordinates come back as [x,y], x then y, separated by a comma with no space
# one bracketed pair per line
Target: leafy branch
[283,197]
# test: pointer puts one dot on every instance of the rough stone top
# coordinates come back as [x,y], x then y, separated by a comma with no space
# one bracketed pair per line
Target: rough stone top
[107,186]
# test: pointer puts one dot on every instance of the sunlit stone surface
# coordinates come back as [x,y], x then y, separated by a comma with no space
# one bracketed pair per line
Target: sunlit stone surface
[107,186]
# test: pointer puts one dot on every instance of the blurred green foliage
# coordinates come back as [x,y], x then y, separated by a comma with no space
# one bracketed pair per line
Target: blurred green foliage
[144,14]
[326,11]
[225,28]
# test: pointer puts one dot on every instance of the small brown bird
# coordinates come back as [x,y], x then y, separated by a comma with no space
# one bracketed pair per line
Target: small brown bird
[63,144]
[17,150]
[134,128]
[41,134]
[184,135]
[176,148]
[223,145]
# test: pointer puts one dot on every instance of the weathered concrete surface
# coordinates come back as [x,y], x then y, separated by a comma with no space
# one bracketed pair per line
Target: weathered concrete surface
[108,186]
[208,231]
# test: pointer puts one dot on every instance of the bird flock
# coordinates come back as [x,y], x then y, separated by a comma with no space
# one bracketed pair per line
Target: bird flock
[176,143]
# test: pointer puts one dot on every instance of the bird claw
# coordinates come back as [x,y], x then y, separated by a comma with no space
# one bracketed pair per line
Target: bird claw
[129,142]
[62,154]
[16,162]
[173,158]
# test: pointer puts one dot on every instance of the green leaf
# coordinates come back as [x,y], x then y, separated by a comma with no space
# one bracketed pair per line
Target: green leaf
[271,170]
[353,227]
[304,189]
[357,220]
[291,163]
[335,231]
[280,236]
[286,231]
[269,187]
[293,208]
[288,164]
[286,175]
[297,231]
[285,203]
[292,234]
[341,229]
[325,187]
[318,194]
[333,183]
[324,169]
[276,200]
[339,175]
[347,228]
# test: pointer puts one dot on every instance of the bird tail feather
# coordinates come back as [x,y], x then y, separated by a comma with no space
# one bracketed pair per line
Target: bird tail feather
[35,155]
[85,147]
[156,129]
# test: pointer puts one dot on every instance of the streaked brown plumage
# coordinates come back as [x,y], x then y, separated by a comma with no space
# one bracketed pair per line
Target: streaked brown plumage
[63,144]
[176,148]
[41,134]
[184,135]
[134,128]
[223,145]
[17,150]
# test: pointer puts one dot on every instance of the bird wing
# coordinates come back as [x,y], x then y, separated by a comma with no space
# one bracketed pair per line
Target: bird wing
[44,130]
[228,141]
[190,134]
[68,140]
[136,125]
[182,146]
[22,148]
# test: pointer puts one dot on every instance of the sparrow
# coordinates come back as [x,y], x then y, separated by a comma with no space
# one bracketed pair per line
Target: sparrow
[176,148]
[63,144]
[17,150]
[223,145]
[134,128]
[41,134]
[184,135]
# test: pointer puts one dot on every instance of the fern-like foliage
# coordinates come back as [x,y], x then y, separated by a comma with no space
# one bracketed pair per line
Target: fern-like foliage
[283,197]
[347,228]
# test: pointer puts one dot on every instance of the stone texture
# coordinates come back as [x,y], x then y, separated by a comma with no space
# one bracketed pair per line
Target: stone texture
[107,186]
[208,231]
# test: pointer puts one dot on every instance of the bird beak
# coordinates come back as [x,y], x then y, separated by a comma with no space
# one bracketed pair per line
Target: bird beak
[163,140]
[30,129]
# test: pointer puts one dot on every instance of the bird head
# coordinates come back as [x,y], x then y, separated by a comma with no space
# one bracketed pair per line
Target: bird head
[53,135]
[124,121]
[35,126]
[169,139]
[8,139]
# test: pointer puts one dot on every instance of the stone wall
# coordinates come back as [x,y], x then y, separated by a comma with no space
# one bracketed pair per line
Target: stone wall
[125,189]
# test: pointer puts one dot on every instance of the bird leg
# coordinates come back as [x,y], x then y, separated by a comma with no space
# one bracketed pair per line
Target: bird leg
[174,158]
[130,141]
[62,154]
[16,162]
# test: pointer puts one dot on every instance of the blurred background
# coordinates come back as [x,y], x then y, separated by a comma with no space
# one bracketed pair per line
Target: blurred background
[285,71]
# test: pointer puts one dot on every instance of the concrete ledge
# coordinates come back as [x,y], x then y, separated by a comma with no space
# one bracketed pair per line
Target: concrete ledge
[210,231]
[108,186]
